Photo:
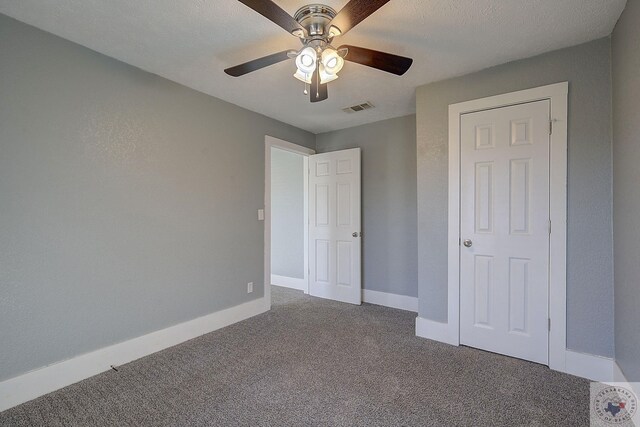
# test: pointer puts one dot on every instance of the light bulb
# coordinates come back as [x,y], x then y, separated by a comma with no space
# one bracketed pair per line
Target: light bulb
[306,60]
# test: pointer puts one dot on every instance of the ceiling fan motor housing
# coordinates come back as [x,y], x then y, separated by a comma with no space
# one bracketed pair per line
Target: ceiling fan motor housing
[315,18]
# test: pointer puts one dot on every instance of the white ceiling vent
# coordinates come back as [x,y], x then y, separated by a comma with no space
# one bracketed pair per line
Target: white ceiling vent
[358,107]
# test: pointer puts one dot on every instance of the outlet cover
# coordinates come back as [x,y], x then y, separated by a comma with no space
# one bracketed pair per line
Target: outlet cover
[249,287]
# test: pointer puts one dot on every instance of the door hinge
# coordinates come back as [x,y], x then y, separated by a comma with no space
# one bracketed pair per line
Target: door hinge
[549,324]
[549,227]
[550,127]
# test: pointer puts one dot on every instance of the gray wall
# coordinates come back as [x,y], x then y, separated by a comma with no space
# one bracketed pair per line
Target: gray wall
[626,188]
[590,265]
[127,202]
[287,214]
[388,200]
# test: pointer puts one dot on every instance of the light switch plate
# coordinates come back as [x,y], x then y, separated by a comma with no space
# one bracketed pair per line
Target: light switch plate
[260,214]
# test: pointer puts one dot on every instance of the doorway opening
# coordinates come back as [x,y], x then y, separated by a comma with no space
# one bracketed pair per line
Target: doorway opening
[286,216]
[312,221]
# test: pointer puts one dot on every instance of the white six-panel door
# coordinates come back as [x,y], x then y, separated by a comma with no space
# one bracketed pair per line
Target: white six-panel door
[504,230]
[334,226]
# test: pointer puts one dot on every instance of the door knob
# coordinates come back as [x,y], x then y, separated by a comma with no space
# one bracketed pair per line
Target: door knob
[467,242]
[354,234]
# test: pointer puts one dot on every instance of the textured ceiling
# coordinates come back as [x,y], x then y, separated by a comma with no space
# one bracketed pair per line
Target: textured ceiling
[192,41]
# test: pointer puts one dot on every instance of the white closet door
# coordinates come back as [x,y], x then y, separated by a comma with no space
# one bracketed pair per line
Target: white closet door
[504,230]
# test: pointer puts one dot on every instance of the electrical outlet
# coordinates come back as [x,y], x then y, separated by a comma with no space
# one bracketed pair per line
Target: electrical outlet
[249,287]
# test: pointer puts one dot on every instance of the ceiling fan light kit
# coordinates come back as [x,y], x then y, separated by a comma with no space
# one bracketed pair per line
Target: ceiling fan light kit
[318,62]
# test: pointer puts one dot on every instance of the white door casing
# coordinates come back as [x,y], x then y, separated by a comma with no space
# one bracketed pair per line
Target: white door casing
[504,229]
[334,226]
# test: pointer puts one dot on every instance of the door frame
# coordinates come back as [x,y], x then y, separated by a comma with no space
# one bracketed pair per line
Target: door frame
[557,94]
[269,143]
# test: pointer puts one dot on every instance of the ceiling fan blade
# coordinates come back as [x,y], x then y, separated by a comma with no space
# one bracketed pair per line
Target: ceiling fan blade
[277,15]
[355,12]
[256,64]
[317,92]
[388,62]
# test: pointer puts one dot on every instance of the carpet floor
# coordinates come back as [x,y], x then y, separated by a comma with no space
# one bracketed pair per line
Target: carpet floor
[314,362]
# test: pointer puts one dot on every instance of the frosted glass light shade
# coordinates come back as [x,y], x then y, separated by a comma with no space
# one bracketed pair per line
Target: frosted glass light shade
[306,61]
[326,77]
[332,62]
[303,77]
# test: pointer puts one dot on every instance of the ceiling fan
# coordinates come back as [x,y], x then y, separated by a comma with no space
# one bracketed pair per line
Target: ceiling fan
[318,62]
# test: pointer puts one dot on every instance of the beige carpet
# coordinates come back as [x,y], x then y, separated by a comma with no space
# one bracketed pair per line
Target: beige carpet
[316,362]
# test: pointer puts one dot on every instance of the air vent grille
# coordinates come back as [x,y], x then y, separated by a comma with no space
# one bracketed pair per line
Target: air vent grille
[358,108]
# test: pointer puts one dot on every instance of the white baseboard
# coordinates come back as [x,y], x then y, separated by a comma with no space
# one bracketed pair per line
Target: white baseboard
[401,302]
[592,367]
[288,282]
[23,388]
[583,365]
[437,331]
